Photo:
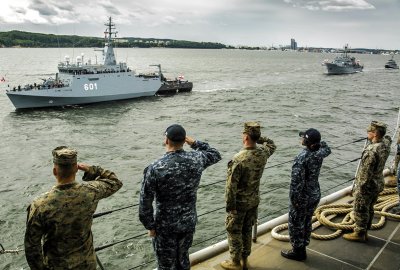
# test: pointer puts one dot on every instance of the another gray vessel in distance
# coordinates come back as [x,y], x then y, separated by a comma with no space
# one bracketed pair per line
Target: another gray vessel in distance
[343,64]
[83,82]
[391,64]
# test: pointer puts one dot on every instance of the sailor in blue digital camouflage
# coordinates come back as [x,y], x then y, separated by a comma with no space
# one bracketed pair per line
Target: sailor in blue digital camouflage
[172,181]
[242,194]
[369,180]
[304,193]
[58,228]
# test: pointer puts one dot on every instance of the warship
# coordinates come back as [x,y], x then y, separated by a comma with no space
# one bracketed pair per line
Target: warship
[343,64]
[84,82]
[391,64]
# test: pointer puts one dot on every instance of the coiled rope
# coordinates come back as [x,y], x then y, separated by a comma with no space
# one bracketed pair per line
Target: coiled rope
[324,214]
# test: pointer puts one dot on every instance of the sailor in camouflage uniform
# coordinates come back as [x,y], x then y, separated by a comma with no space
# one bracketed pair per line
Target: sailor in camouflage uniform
[304,192]
[62,218]
[173,181]
[242,193]
[369,180]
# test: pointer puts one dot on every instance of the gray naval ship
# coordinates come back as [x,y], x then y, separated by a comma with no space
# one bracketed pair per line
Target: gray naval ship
[391,64]
[83,83]
[344,64]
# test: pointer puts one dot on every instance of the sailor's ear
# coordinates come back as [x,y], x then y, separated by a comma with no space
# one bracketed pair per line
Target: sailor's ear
[55,170]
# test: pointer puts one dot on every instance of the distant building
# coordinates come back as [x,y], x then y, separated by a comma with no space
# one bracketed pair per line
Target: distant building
[293,44]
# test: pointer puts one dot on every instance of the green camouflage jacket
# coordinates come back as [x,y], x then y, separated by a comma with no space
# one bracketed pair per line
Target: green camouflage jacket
[369,178]
[58,229]
[244,174]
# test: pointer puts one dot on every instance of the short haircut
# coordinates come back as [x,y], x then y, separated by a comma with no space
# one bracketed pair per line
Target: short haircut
[380,131]
[253,136]
[313,147]
[176,144]
[65,170]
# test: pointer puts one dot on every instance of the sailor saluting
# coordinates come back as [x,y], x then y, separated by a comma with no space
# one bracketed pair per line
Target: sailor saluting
[62,218]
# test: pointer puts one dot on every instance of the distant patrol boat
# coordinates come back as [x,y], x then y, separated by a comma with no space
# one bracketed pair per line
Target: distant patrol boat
[83,83]
[391,64]
[344,64]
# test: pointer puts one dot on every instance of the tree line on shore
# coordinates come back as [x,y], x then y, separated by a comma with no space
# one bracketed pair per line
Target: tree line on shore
[37,40]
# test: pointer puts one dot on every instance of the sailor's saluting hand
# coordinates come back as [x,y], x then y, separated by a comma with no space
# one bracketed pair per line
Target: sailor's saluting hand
[189,140]
[83,167]
[152,233]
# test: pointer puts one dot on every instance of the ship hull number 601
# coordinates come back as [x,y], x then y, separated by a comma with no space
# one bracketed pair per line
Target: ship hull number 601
[90,86]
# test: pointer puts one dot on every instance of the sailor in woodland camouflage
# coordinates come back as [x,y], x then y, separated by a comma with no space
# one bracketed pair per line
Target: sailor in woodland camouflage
[173,181]
[62,218]
[369,180]
[304,193]
[242,193]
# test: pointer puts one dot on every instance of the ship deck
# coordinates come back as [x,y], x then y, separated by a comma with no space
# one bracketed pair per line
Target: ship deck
[380,252]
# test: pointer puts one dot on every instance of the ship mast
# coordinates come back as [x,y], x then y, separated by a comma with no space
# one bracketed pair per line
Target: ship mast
[108,53]
[345,49]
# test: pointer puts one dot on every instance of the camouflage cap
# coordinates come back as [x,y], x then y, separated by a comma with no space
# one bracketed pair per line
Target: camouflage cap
[64,155]
[252,128]
[376,124]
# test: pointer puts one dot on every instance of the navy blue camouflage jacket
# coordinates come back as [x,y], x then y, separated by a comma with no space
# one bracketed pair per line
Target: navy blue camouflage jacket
[173,181]
[304,186]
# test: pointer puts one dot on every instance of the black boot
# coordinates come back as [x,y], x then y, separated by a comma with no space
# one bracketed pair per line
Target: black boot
[298,254]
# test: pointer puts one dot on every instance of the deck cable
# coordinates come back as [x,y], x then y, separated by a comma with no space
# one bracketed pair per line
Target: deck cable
[9,251]
[118,242]
[336,147]
[112,211]
[286,207]
[134,205]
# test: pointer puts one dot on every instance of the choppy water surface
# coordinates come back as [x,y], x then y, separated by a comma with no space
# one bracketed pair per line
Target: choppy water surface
[285,91]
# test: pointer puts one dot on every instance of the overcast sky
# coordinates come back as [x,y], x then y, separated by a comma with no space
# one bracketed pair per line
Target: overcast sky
[323,23]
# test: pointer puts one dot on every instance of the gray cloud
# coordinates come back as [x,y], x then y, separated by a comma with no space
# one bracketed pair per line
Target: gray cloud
[65,6]
[45,9]
[19,10]
[331,5]
[110,8]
